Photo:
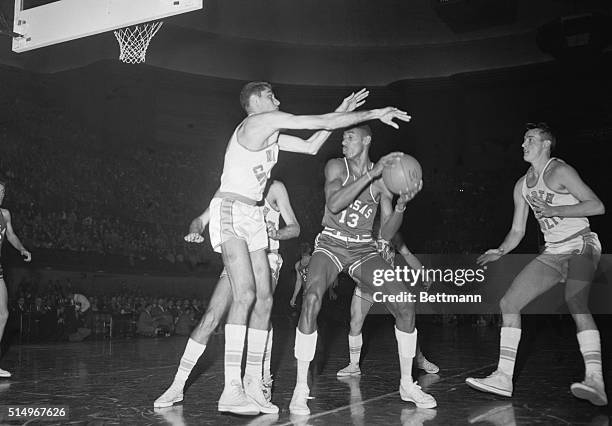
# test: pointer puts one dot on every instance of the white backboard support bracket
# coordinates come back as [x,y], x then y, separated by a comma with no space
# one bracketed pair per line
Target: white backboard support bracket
[66,20]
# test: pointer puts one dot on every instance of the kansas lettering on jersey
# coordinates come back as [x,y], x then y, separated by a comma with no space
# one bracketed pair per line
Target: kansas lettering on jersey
[246,172]
[271,216]
[554,228]
[358,218]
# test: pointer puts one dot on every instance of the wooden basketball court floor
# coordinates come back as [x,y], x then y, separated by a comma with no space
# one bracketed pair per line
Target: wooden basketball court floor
[116,381]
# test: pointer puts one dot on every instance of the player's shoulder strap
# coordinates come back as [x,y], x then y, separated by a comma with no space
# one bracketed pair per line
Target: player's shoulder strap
[348,171]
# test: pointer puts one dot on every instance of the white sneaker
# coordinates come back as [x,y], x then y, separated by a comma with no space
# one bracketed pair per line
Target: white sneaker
[413,393]
[298,405]
[498,383]
[427,366]
[592,389]
[4,373]
[172,395]
[349,370]
[234,400]
[253,388]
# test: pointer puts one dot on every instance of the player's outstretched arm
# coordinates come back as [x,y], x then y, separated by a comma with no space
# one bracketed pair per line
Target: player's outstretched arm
[313,144]
[292,227]
[12,237]
[335,120]
[196,228]
[589,205]
[517,232]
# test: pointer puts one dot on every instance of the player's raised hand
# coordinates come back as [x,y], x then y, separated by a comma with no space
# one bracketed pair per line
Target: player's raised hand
[353,101]
[489,256]
[196,228]
[194,237]
[408,195]
[383,162]
[388,114]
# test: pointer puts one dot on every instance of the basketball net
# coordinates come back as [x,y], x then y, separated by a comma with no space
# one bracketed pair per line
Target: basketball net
[134,41]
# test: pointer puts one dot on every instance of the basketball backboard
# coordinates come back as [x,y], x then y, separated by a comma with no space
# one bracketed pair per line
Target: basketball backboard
[63,20]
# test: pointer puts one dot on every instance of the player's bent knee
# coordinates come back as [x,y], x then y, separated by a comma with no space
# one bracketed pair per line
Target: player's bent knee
[264,302]
[246,297]
[577,307]
[405,311]
[508,306]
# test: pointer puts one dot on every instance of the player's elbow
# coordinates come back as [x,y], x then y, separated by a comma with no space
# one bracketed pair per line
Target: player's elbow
[517,233]
[334,208]
[600,208]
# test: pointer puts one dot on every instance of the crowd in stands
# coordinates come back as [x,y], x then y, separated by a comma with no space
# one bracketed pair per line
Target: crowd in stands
[58,312]
[74,190]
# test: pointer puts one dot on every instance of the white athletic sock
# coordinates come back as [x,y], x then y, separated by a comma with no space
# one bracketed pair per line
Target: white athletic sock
[406,348]
[234,349]
[256,345]
[190,357]
[305,346]
[508,345]
[267,375]
[590,347]
[355,343]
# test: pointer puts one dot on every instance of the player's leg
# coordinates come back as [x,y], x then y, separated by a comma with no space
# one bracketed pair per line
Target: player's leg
[217,308]
[361,303]
[581,271]
[539,276]
[3,315]
[259,324]
[322,271]
[237,261]
[420,360]
[364,272]
[276,262]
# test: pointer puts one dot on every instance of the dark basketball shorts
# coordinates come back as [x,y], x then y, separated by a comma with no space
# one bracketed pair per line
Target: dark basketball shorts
[346,254]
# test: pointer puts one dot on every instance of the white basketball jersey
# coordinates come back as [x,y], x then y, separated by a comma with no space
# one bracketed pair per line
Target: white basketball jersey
[246,172]
[554,228]
[273,217]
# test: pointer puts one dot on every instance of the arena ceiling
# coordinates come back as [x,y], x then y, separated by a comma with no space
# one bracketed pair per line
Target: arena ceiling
[331,42]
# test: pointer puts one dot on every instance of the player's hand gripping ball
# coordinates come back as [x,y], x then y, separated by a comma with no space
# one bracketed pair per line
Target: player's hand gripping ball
[403,175]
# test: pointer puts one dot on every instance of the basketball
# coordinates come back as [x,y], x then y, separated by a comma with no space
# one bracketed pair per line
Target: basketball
[403,175]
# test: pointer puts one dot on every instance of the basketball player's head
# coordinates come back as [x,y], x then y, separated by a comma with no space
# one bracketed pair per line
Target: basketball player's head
[356,140]
[539,142]
[258,96]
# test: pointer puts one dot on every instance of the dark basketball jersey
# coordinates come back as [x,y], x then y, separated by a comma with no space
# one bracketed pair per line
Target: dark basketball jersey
[358,218]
